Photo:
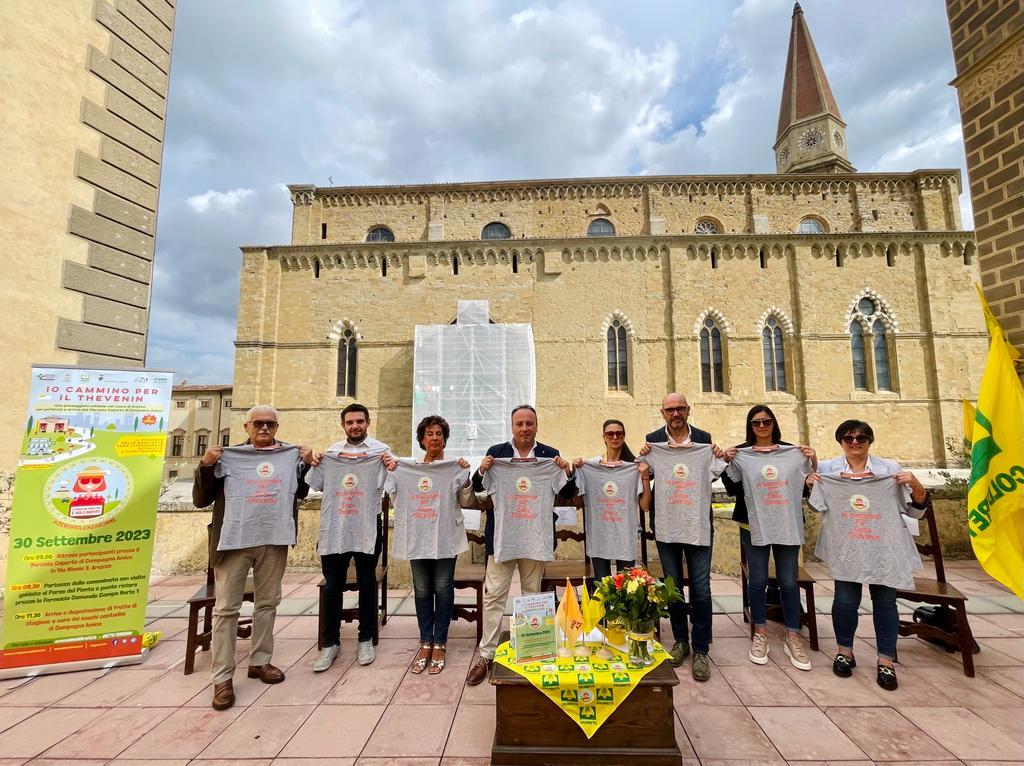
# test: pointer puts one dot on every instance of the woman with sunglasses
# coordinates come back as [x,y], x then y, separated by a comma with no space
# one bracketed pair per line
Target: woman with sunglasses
[763,433]
[856,437]
[617,451]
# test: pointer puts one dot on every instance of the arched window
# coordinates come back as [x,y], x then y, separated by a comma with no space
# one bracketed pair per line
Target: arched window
[384,267]
[496,230]
[601,227]
[455,265]
[515,263]
[883,381]
[706,226]
[811,226]
[380,234]
[872,356]
[774,356]
[618,357]
[860,367]
[712,376]
[347,354]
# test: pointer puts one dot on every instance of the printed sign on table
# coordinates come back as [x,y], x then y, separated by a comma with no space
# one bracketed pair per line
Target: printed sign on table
[533,627]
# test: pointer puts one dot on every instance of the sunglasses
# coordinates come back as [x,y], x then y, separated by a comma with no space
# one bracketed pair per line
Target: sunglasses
[762,423]
[858,439]
[268,424]
[615,434]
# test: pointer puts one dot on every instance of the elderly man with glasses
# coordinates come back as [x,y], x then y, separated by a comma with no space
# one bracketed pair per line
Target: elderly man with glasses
[255,488]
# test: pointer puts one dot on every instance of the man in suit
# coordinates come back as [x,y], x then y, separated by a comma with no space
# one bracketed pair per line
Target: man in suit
[677,431]
[498,579]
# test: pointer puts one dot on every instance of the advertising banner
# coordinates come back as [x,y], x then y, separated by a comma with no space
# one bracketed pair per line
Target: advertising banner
[84,518]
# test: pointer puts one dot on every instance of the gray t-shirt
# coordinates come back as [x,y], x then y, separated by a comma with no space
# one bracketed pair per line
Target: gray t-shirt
[773,487]
[523,492]
[428,519]
[350,503]
[863,538]
[611,510]
[682,491]
[259,495]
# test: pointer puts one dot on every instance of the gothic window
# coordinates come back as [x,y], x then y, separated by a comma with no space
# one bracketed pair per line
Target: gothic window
[383,267]
[496,230]
[774,356]
[515,263]
[871,347]
[601,227]
[618,357]
[455,265]
[811,226]
[883,381]
[712,376]
[347,354]
[380,234]
[860,370]
[706,226]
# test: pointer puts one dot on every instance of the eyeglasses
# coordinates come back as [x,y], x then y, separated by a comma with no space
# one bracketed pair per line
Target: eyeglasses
[764,423]
[677,410]
[270,425]
[858,439]
[615,434]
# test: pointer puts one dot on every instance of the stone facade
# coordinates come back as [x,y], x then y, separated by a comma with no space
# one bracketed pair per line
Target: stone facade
[81,135]
[200,418]
[988,47]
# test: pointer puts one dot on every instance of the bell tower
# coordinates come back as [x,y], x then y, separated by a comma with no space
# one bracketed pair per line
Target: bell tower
[812,135]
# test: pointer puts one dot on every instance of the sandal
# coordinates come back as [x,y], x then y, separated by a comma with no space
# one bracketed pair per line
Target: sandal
[419,664]
[437,658]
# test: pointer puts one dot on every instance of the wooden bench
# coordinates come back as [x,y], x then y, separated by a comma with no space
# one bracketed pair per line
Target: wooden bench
[804,580]
[202,601]
[351,614]
[471,575]
[940,593]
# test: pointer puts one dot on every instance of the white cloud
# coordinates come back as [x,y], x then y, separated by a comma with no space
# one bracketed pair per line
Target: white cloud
[226,202]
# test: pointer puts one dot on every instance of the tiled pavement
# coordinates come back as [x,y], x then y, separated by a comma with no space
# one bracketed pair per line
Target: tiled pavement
[152,714]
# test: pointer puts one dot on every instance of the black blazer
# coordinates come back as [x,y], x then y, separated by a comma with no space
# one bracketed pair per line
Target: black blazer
[505,450]
[697,436]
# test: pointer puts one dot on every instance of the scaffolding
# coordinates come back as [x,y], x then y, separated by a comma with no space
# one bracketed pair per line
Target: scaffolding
[472,373]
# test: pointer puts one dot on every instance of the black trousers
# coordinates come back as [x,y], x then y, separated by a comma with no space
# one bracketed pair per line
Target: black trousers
[335,569]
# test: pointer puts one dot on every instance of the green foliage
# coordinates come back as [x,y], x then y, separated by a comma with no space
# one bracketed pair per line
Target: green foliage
[634,596]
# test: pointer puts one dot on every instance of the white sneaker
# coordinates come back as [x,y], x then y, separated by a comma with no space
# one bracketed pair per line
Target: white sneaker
[797,653]
[327,657]
[759,649]
[367,654]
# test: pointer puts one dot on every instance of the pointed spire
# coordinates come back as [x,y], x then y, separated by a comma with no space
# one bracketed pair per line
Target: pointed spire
[805,89]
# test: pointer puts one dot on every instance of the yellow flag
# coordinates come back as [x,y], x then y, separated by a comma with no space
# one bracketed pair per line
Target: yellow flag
[569,617]
[995,330]
[995,495]
[593,610]
[968,419]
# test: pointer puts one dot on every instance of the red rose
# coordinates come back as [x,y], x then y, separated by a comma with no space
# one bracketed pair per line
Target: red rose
[618,581]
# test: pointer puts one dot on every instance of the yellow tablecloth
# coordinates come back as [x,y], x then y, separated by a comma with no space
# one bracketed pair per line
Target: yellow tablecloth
[587,689]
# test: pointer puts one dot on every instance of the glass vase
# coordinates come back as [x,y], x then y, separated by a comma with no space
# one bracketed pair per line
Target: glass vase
[639,635]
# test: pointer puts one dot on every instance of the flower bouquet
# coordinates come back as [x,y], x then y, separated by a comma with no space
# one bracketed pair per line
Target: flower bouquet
[637,600]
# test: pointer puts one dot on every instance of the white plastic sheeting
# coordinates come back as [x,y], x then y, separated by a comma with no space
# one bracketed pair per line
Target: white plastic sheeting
[472,374]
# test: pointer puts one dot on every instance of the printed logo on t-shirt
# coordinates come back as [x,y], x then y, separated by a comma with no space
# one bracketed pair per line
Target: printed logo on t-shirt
[859,503]
[610,488]
[523,484]
[425,484]
[770,472]
[265,469]
[349,481]
[680,470]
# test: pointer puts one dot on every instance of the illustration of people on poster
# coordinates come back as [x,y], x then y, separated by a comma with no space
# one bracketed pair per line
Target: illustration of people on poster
[84,518]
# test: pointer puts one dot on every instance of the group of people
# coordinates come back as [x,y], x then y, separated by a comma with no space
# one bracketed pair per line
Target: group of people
[255,488]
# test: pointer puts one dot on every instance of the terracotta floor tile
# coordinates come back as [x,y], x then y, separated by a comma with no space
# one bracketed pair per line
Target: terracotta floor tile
[1011,679]
[705,726]
[767,685]
[366,686]
[885,735]
[43,730]
[183,734]
[258,732]
[299,627]
[402,627]
[235,762]
[9,716]
[987,627]
[826,689]
[472,733]
[777,761]
[1010,647]
[46,690]
[970,692]
[334,731]
[803,733]
[444,688]
[64,762]
[714,691]
[460,761]
[398,762]
[147,762]
[1014,622]
[685,748]
[1009,720]
[172,689]
[313,762]
[481,694]
[303,686]
[172,627]
[734,651]
[964,734]
[111,689]
[109,734]
[723,626]
[395,737]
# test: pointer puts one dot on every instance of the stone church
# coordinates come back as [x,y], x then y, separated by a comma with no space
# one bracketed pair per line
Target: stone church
[821,291]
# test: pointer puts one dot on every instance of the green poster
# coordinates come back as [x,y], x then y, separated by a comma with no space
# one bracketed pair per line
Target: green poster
[84,517]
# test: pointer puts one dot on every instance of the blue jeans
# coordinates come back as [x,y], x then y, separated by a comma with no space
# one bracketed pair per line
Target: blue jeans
[787,558]
[883,613]
[698,563]
[434,594]
[603,567]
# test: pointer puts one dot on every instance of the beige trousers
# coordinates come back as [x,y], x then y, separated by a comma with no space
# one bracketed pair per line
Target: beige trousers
[497,582]
[267,563]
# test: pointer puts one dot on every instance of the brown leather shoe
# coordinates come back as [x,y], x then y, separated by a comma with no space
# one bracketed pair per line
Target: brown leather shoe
[268,674]
[223,695]
[479,671]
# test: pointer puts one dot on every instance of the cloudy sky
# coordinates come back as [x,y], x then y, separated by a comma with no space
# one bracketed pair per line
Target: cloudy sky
[270,92]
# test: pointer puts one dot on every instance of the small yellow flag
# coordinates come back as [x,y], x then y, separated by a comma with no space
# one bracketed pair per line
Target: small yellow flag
[593,610]
[968,420]
[569,617]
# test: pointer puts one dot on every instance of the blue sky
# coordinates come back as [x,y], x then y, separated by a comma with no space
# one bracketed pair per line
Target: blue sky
[402,91]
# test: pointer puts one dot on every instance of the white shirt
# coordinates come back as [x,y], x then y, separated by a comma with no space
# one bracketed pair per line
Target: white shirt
[515,451]
[368,444]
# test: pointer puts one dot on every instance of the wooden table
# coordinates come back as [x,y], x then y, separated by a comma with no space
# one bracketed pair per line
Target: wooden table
[531,730]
